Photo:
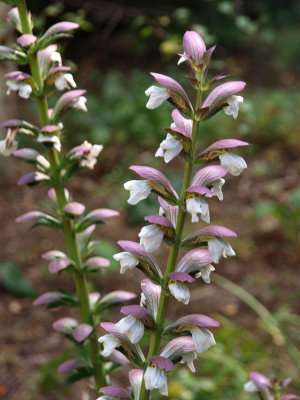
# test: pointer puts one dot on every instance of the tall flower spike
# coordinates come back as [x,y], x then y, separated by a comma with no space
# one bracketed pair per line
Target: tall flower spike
[169,225]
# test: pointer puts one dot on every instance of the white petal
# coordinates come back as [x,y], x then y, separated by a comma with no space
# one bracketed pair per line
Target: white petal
[196,206]
[233,163]
[157,95]
[12,86]
[189,359]
[43,161]
[139,190]
[56,58]
[182,59]
[203,339]
[25,90]
[250,387]
[151,237]
[106,398]
[7,151]
[127,261]
[80,104]
[169,148]
[132,327]
[215,249]
[65,81]
[205,272]
[50,139]
[227,249]
[109,344]
[217,188]
[180,291]
[156,378]
[233,105]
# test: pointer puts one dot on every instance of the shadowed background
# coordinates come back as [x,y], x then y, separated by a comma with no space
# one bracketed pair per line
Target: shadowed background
[111,55]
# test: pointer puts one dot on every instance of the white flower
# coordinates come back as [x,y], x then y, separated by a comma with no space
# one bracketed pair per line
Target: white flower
[196,205]
[139,190]
[127,261]
[203,339]
[7,151]
[233,105]
[157,95]
[54,140]
[232,163]
[9,144]
[151,237]
[65,81]
[43,161]
[132,327]
[205,272]
[106,398]
[182,59]
[250,387]
[189,358]
[24,89]
[55,57]
[156,378]
[90,158]
[218,247]
[217,188]
[169,148]
[109,344]
[79,104]
[180,291]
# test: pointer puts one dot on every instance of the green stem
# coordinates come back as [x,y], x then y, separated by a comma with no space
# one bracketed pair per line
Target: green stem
[164,298]
[69,234]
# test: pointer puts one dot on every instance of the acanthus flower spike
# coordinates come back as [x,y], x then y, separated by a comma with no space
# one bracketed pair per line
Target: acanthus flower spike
[232,163]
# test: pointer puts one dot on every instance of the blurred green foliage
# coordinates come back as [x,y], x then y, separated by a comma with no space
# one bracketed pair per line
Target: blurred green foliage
[14,282]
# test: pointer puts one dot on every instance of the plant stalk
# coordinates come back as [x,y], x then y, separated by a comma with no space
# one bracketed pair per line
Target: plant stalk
[164,297]
[69,234]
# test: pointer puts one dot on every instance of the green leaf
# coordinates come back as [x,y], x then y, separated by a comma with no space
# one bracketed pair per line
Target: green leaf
[14,281]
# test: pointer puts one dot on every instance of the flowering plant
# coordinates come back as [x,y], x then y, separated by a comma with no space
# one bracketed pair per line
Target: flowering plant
[189,335]
[268,389]
[47,76]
